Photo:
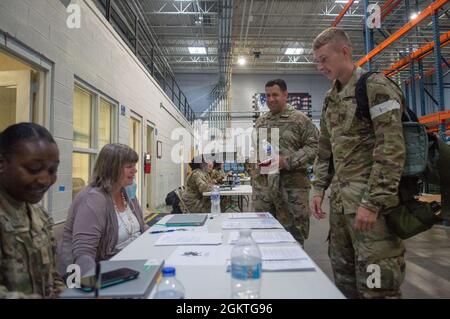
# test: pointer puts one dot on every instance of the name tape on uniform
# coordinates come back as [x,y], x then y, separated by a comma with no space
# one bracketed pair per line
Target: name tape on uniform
[384,107]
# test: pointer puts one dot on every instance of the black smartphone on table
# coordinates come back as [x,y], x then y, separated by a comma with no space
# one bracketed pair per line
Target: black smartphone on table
[109,278]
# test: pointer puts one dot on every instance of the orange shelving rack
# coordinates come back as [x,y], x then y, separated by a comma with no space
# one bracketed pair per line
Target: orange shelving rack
[432,121]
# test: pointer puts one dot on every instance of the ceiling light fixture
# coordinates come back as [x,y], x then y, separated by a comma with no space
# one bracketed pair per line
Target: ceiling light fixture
[294,51]
[242,61]
[197,50]
[414,15]
[346,1]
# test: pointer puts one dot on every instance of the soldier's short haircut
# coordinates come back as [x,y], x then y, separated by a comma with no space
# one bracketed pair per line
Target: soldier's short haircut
[334,36]
[22,132]
[109,164]
[280,82]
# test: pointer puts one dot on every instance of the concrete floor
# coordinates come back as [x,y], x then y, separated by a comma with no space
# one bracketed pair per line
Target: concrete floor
[427,257]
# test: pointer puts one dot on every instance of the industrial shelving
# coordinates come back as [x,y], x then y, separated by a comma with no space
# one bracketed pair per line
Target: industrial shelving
[413,50]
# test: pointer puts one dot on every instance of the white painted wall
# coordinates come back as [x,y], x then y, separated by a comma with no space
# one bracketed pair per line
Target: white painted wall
[97,55]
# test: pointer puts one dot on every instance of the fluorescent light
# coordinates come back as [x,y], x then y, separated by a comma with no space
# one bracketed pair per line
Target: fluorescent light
[414,15]
[345,1]
[242,60]
[294,51]
[197,50]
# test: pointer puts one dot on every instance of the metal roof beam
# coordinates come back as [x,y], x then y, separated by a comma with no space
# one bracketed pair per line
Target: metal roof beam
[342,13]
[403,30]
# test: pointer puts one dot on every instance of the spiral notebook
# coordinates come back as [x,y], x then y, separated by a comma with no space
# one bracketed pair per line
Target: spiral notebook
[186,220]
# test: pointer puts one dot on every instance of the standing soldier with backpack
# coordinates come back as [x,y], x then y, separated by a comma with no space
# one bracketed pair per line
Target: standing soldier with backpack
[364,158]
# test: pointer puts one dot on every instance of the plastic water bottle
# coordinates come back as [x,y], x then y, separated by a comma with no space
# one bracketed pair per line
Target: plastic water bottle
[215,201]
[268,150]
[267,147]
[238,180]
[246,266]
[310,173]
[169,287]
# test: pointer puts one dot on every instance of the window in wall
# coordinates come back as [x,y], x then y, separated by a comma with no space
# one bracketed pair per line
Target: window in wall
[81,170]
[105,123]
[21,92]
[82,118]
[93,123]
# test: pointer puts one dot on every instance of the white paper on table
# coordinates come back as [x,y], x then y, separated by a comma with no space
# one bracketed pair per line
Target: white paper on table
[283,265]
[199,256]
[189,238]
[250,215]
[295,264]
[265,237]
[282,252]
[251,224]
[201,229]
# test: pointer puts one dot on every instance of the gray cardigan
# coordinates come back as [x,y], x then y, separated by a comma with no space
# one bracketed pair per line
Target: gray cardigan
[91,229]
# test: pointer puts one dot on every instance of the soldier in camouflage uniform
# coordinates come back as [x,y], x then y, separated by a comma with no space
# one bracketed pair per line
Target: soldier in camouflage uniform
[218,175]
[285,193]
[198,182]
[365,161]
[29,160]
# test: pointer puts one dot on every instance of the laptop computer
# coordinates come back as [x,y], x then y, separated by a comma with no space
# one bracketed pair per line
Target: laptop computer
[181,220]
[137,288]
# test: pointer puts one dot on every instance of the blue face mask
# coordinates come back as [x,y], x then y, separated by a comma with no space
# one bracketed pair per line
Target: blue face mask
[131,190]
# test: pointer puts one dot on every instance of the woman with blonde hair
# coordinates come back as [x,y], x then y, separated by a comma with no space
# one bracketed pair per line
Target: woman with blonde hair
[103,218]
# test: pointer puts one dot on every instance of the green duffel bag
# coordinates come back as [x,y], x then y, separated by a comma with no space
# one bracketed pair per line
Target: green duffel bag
[412,218]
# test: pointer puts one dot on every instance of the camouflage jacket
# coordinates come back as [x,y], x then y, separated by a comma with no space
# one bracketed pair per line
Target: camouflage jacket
[298,140]
[217,175]
[368,156]
[27,251]
[197,183]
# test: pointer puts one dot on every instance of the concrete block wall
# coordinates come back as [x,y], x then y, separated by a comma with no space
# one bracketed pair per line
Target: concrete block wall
[97,56]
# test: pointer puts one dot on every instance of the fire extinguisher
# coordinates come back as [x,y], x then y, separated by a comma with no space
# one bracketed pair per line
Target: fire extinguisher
[147,163]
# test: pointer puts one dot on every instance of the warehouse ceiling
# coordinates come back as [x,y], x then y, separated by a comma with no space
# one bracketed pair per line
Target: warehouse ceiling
[262,31]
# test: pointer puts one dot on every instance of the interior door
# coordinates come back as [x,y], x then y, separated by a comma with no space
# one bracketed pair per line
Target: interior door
[15,97]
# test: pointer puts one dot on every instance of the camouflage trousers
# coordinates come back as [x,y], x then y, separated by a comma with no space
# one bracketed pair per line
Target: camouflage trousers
[289,206]
[358,257]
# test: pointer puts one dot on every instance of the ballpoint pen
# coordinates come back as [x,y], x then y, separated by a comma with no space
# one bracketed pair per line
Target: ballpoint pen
[166,231]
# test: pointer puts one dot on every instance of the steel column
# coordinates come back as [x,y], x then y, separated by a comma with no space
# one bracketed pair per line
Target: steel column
[413,87]
[421,89]
[136,35]
[439,75]
[108,10]
[368,34]
[408,102]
